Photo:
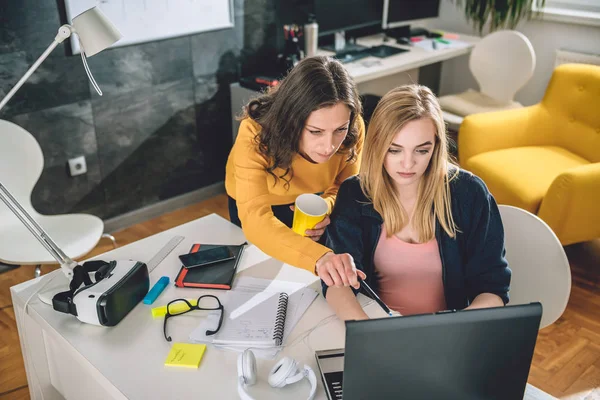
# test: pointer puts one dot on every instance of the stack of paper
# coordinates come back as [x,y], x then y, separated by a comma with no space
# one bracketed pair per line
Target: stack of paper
[440,44]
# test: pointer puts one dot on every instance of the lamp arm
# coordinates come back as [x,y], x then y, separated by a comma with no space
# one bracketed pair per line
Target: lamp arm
[66,263]
[63,33]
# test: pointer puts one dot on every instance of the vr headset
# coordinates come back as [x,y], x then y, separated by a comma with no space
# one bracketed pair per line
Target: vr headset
[117,288]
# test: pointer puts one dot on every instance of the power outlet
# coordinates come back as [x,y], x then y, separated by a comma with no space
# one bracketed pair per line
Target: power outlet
[77,166]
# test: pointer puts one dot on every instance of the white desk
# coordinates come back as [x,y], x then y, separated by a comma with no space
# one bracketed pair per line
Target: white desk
[371,68]
[373,75]
[69,359]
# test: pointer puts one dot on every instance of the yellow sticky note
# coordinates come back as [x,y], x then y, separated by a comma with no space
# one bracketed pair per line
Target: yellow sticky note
[185,355]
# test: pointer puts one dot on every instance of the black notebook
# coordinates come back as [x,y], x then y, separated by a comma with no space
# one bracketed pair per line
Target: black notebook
[263,325]
[213,276]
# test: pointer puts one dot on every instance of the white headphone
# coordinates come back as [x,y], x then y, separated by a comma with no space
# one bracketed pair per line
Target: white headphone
[285,372]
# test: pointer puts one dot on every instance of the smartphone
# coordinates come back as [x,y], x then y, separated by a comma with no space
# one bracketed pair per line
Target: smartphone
[206,257]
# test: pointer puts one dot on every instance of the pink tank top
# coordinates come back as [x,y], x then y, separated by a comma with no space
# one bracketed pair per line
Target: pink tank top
[410,275]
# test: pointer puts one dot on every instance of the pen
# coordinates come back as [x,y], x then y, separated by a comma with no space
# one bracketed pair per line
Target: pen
[374,296]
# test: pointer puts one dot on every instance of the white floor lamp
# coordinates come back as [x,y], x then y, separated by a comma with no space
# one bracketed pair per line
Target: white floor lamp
[95,33]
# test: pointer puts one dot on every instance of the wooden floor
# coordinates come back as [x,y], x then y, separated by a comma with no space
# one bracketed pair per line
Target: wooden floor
[566,363]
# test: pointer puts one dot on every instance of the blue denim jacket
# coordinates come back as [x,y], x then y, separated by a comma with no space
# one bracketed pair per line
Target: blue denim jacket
[472,263]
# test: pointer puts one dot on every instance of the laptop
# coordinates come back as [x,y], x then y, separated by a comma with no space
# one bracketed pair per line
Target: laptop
[472,354]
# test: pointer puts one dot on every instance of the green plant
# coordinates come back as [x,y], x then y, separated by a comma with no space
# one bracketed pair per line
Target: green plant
[499,13]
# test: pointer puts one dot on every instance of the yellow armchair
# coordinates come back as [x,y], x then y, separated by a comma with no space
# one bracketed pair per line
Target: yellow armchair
[544,158]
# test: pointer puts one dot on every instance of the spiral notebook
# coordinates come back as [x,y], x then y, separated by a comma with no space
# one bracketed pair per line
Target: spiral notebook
[261,326]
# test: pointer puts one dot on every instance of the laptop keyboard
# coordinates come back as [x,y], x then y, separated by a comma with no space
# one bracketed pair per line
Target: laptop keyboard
[334,384]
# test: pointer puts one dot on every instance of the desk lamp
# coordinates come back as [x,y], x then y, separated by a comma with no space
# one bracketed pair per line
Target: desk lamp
[124,283]
[95,33]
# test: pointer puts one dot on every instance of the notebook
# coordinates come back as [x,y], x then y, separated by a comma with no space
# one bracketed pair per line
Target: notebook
[245,300]
[261,326]
[214,276]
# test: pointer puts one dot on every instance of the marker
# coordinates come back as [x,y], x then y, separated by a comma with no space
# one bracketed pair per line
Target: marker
[374,296]
[156,290]
[442,41]
[161,311]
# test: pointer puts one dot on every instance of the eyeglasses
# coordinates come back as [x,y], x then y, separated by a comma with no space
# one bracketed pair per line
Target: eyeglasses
[182,306]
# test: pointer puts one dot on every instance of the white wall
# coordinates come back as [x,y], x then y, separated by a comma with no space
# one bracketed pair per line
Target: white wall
[546,37]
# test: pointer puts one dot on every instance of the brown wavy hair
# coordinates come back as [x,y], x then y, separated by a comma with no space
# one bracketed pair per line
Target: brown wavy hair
[314,83]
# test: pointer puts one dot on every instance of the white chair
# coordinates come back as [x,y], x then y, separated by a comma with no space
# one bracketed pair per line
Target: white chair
[540,269]
[502,63]
[21,164]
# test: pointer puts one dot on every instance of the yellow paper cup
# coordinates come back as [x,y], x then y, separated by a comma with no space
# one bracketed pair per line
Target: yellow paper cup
[309,210]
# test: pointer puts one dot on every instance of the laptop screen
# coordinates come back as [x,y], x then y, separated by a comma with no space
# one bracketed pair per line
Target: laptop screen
[462,355]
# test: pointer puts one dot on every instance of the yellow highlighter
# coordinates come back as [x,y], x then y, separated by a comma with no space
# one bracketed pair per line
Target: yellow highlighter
[177,307]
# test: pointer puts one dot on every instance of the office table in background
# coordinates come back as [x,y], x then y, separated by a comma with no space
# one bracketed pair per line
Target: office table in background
[68,359]
[374,75]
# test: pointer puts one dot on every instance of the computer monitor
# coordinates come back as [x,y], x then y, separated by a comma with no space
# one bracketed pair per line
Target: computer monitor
[397,13]
[343,15]
[340,16]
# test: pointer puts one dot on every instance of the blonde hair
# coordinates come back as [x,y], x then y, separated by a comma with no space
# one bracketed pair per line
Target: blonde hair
[398,107]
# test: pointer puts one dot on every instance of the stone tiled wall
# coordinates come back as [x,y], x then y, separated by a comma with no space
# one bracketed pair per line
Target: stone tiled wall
[162,127]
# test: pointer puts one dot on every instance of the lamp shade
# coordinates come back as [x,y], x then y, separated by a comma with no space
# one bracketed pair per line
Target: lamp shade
[95,31]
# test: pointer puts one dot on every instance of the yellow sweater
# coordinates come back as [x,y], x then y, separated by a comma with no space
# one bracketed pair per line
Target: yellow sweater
[248,182]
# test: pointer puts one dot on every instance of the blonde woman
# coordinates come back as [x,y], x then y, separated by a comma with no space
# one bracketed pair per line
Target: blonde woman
[426,235]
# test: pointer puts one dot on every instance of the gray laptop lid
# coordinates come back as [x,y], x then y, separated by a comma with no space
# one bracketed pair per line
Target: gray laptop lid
[475,354]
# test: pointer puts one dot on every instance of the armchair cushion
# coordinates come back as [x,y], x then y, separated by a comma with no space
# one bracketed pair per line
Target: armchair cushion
[521,176]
